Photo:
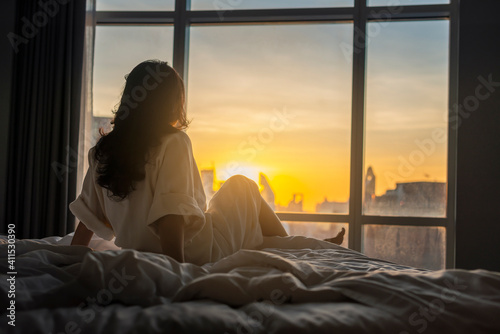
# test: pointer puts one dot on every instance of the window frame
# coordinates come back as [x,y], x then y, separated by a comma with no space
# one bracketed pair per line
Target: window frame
[360,15]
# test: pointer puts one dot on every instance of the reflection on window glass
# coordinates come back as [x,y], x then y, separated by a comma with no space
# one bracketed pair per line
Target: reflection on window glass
[139,5]
[273,103]
[406,120]
[406,2]
[317,230]
[228,5]
[417,246]
[118,49]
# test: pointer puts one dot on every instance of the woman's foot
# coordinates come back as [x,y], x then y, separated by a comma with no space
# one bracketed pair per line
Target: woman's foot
[338,239]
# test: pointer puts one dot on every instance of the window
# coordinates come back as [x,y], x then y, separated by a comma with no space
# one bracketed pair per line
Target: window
[406,120]
[337,108]
[117,50]
[273,102]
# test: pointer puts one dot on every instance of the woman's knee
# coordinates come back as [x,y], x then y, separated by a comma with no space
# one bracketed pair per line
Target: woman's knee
[241,181]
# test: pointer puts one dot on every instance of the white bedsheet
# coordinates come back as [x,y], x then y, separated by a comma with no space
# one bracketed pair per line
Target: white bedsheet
[293,285]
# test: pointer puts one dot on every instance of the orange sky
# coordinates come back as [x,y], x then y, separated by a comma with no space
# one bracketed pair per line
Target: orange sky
[277,99]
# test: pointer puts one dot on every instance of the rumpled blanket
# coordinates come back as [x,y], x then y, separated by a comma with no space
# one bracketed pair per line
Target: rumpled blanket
[290,285]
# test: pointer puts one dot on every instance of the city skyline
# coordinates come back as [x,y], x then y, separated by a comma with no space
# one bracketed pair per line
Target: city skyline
[422,198]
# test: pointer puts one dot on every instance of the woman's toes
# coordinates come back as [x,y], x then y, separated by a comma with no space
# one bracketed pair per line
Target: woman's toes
[339,238]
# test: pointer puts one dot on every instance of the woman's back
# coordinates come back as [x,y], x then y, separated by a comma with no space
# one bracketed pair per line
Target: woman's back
[172,185]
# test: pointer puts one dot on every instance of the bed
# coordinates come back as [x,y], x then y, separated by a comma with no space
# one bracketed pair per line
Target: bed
[290,285]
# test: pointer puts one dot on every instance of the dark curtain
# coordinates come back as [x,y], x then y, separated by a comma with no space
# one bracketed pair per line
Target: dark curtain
[45,114]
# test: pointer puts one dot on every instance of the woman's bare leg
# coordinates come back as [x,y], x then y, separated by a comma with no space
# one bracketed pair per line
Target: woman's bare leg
[270,223]
[338,239]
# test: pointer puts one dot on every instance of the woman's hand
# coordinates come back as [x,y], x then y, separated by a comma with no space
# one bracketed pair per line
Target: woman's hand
[171,231]
[82,235]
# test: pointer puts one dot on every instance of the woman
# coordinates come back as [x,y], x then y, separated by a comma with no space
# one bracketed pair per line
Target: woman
[144,188]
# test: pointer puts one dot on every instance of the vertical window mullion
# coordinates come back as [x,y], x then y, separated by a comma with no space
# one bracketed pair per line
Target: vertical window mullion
[357,121]
[181,38]
[452,135]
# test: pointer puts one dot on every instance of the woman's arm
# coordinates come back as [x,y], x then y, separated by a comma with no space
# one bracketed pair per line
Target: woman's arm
[171,231]
[82,235]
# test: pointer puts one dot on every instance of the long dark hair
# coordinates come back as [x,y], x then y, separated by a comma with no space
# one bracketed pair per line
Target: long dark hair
[152,106]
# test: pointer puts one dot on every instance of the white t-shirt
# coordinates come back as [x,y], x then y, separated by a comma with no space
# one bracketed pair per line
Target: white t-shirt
[172,185]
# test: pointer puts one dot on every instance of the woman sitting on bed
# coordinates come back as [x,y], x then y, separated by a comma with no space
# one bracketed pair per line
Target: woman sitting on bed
[143,186]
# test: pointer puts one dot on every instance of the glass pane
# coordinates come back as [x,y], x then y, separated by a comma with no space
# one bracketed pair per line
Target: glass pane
[317,230]
[273,103]
[117,50]
[406,120]
[416,246]
[138,5]
[228,5]
[395,3]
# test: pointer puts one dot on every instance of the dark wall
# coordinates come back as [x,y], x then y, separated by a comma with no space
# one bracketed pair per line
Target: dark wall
[7,15]
[478,165]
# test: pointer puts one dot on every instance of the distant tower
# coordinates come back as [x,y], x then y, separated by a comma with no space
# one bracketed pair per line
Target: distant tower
[296,204]
[369,186]
[267,192]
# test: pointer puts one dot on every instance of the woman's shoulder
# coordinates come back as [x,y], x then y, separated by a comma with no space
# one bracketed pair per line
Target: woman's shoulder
[183,135]
[178,137]
[174,143]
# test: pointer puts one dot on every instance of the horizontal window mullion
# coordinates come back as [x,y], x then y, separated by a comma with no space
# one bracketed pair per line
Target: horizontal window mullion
[271,15]
[405,221]
[111,17]
[407,12]
[313,217]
